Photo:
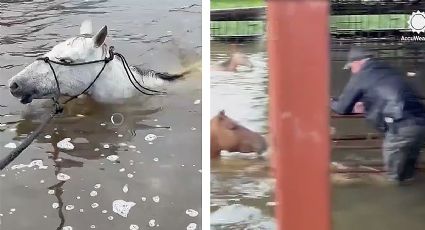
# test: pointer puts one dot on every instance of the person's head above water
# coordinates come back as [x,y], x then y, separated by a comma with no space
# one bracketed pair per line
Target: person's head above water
[357,56]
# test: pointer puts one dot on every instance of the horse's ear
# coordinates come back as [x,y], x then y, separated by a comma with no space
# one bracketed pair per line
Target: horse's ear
[221,114]
[100,37]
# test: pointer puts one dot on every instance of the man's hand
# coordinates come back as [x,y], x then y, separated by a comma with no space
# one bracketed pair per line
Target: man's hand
[358,107]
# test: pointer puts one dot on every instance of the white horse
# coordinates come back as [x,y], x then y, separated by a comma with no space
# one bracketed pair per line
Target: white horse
[37,80]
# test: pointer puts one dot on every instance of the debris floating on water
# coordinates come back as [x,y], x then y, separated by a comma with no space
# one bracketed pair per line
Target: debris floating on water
[155,159]
[125,188]
[92,226]
[197,102]
[122,207]
[152,223]
[122,170]
[104,211]
[65,144]
[10,145]
[143,198]
[47,136]
[155,199]
[63,177]
[110,217]
[96,149]
[112,157]
[69,207]
[192,213]
[106,146]
[33,163]
[134,227]
[94,205]
[93,193]
[97,186]
[55,205]
[67,228]
[150,137]
[191,226]
[51,192]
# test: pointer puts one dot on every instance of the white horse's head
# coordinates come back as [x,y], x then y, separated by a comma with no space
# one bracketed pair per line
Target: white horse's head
[37,81]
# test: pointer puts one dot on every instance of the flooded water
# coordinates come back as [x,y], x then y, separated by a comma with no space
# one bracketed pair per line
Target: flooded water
[242,189]
[124,171]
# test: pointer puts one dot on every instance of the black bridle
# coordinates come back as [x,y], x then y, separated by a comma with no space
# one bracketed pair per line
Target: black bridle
[106,60]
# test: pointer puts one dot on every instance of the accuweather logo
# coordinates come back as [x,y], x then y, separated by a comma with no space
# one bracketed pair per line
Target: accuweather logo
[416,24]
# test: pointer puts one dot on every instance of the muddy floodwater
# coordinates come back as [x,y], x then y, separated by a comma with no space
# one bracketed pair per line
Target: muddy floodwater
[241,186]
[241,189]
[134,165]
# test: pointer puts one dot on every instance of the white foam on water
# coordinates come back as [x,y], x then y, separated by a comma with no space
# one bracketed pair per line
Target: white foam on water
[41,181]
[104,211]
[92,226]
[94,205]
[51,192]
[55,205]
[152,223]
[130,175]
[191,226]
[122,170]
[134,227]
[122,207]
[120,135]
[93,193]
[122,144]
[47,136]
[197,102]
[69,207]
[97,186]
[150,137]
[156,159]
[81,210]
[65,144]
[96,149]
[112,157]
[125,188]
[10,145]
[143,198]
[106,146]
[33,163]
[155,199]
[63,177]
[67,228]
[192,213]
[110,217]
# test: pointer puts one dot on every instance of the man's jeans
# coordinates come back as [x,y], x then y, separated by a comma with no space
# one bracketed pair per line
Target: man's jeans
[401,151]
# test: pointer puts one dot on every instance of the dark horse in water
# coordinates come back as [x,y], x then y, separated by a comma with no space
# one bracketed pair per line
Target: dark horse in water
[226,134]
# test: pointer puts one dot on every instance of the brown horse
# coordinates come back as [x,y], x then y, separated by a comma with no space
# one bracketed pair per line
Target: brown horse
[226,134]
[231,64]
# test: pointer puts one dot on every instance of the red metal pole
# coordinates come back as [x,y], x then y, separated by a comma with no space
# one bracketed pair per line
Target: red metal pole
[298,40]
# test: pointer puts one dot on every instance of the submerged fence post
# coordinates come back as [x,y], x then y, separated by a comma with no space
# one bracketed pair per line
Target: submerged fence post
[298,47]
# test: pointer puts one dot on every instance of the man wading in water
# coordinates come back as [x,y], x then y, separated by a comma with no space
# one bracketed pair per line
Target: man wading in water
[391,105]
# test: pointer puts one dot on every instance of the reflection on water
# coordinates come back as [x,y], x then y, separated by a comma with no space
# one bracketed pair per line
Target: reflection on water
[163,176]
[241,189]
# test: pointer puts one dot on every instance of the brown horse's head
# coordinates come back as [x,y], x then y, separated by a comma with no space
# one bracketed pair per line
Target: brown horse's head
[228,135]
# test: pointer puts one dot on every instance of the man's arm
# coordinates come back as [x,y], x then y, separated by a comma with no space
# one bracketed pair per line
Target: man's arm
[351,94]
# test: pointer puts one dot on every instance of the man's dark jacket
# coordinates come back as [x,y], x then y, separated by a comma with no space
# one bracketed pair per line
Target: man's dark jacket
[384,93]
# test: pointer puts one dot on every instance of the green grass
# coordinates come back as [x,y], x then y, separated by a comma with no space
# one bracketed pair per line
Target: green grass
[237,28]
[225,4]
[338,24]
[369,22]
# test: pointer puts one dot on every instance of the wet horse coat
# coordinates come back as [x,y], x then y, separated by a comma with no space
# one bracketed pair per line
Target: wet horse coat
[226,134]
[37,81]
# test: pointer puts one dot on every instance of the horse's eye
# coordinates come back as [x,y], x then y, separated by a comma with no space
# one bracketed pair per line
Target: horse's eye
[65,60]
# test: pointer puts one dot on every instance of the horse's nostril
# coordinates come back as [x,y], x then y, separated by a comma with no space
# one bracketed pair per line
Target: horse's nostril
[14,86]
